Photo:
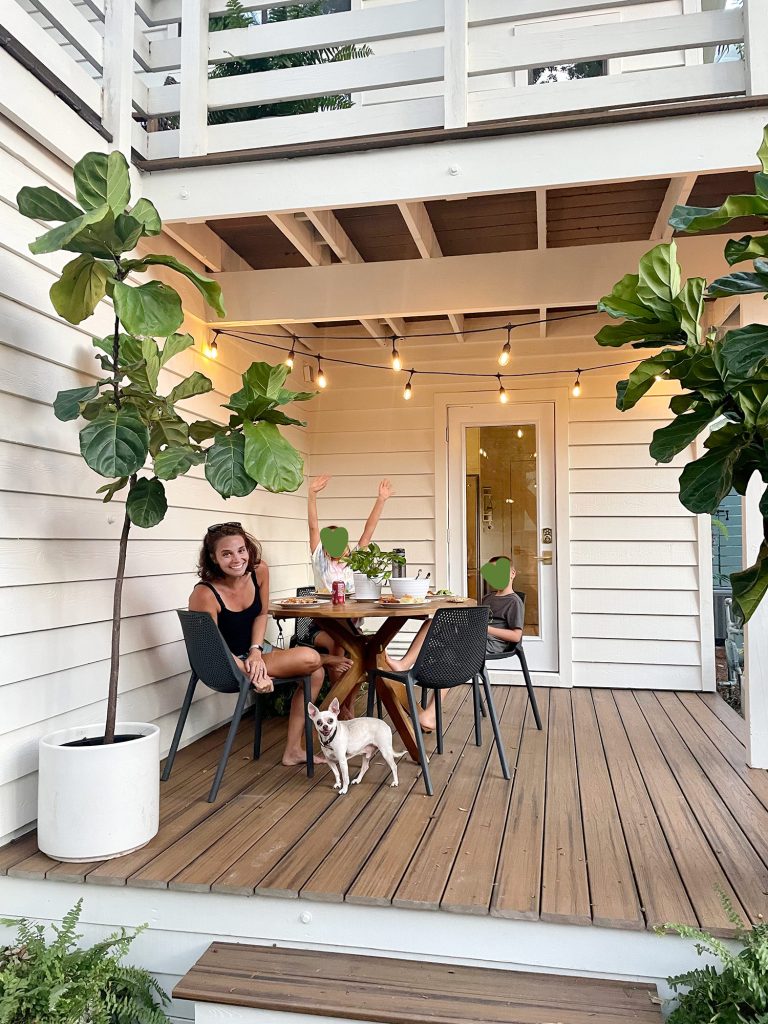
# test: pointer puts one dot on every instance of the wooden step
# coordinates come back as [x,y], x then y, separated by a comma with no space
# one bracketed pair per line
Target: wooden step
[393,991]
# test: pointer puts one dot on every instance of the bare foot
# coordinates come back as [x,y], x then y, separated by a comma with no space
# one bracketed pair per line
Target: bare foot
[291,758]
[338,662]
[396,664]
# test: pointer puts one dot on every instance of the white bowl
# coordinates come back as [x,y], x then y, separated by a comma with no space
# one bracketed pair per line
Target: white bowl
[404,585]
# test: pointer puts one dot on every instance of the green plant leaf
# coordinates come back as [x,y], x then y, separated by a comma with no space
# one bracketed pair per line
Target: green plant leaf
[642,378]
[196,384]
[145,213]
[276,416]
[67,403]
[668,441]
[682,403]
[174,345]
[270,459]
[203,430]
[285,396]
[115,443]
[57,238]
[705,482]
[225,467]
[751,585]
[128,231]
[169,430]
[623,301]
[173,462]
[79,290]
[150,310]
[740,283]
[744,348]
[746,248]
[659,280]
[42,203]
[210,290]
[103,178]
[658,334]
[147,372]
[110,490]
[703,218]
[689,303]
[146,505]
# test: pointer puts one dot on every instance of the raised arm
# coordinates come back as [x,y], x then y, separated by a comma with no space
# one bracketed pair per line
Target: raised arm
[385,493]
[315,486]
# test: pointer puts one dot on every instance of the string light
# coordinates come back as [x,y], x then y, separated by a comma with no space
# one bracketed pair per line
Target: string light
[397,363]
[503,396]
[212,349]
[292,354]
[322,380]
[506,353]
[408,390]
[576,389]
[520,432]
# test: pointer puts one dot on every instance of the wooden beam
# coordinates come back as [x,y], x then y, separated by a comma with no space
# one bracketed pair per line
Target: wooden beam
[297,232]
[375,331]
[456,321]
[677,193]
[569,276]
[398,325]
[541,244]
[418,223]
[329,229]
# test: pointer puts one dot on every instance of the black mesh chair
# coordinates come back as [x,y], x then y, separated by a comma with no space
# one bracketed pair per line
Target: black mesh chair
[516,651]
[453,654]
[212,664]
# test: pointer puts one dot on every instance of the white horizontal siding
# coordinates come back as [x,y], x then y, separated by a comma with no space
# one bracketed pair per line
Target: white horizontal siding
[58,541]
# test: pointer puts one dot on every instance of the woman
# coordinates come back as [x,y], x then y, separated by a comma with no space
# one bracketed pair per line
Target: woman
[234,590]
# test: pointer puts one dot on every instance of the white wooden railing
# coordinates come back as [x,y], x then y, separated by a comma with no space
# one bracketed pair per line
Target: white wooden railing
[144,64]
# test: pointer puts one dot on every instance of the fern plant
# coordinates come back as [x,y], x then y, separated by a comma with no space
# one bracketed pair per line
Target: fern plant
[59,983]
[737,993]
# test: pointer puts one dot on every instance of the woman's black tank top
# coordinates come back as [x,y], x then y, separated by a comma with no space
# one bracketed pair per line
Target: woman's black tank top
[237,627]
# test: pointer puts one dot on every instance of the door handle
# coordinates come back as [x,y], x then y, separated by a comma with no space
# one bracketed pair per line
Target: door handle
[545,559]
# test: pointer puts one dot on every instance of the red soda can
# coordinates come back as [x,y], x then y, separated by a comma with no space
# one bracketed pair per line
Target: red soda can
[338,590]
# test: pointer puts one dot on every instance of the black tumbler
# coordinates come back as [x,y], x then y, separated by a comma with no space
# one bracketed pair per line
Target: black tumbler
[398,570]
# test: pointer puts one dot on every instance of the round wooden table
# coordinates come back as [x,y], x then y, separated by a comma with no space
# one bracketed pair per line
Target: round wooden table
[366,650]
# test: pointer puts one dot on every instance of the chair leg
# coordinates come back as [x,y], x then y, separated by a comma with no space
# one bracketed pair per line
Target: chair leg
[529,686]
[439,721]
[308,727]
[495,725]
[379,710]
[371,694]
[243,696]
[186,705]
[257,720]
[419,735]
[478,703]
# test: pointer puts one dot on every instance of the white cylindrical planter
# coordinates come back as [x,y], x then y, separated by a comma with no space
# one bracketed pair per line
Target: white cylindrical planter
[366,589]
[100,801]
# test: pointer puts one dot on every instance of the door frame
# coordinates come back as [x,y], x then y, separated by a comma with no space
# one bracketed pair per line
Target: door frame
[559,398]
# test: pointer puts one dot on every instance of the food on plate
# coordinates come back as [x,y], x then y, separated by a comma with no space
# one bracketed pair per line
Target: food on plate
[440,593]
[298,601]
[405,599]
[389,600]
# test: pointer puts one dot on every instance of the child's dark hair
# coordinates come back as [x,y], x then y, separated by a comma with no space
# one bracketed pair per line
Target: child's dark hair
[207,569]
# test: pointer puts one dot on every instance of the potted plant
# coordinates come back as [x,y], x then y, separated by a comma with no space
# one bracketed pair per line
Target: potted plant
[98,791]
[371,568]
[59,983]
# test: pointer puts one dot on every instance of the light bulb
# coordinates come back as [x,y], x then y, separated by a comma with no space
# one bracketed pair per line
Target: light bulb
[322,380]
[503,396]
[576,390]
[213,350]
[519,431]
[408,392]
[289,360]
[504,355]
[396,361]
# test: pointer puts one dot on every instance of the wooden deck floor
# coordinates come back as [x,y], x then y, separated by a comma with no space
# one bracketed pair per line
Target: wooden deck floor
[629,809]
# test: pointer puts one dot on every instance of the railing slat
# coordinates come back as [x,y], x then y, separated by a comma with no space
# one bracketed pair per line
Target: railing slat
[493,12]
[76,29]
[311,80]
[456,62]
[390,22]
[117,93]
[756,46]
[193,99]
[596,42]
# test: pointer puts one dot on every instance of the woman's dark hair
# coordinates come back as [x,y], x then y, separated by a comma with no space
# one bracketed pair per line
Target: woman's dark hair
[207,569]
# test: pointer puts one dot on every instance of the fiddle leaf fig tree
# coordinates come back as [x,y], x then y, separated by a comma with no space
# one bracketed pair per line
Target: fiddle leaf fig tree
[723,379]
[134,435]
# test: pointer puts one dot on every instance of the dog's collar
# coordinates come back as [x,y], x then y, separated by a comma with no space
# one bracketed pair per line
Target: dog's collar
[331,738]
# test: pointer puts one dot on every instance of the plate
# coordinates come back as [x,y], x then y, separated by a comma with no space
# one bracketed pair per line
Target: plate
[298,604]
[402,604]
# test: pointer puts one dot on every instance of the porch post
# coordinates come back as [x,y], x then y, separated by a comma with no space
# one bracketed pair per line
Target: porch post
[455,57]
[756,46]
[193,103]
[117,94]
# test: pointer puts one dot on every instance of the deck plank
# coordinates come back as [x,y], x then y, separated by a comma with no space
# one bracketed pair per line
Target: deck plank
[699,868]
[611,883]
[470,885]
[17,851]
[424,881]
[730,718]
[662,894]
[517,889]
[746,873]
[565,886]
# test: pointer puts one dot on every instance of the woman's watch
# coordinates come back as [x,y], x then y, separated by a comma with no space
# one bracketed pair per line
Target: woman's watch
[259,646]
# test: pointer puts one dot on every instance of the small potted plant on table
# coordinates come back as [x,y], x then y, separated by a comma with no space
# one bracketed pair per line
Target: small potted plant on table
[371,568]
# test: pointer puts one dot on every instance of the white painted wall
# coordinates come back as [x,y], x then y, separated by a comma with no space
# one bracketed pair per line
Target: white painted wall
[58,541]
[637,557]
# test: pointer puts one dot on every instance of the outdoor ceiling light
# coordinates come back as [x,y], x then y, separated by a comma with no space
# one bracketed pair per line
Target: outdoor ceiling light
[576,389]
[503,396]
[292,354]
[506,353]
[322,380]
[397,363]
[408,391]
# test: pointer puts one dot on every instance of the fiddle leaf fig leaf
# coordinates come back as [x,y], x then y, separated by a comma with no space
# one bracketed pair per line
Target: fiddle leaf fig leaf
[173,462]
[210,290]
[276,416]
[642,378]
[704,218]
[115,443]
[751,585]
[196,384]
[743,349]
[623,301]
[656,334]
[285,396]
[262,389]
[670,440]
[203,430]
[270,459]
[174,345]
[740,283]
[67,403]
[43,203]
[102,178]
[705,482]
[82,285]
[146,505]
[746,248]
[689,303]
[171,431]
[57,238]
[144,374]
[145,213]
[225,467]
[110,490]
[149,310]
[659,280]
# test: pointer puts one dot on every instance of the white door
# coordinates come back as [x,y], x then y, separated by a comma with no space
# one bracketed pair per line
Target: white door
[501,501]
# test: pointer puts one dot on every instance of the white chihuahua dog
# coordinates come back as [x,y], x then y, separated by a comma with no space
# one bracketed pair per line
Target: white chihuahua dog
[342,740]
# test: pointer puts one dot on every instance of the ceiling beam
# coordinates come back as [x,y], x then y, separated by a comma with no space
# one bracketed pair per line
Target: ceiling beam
[302,238]
[678,191]
[541,243]
[485,283]
[329,229]
[418,222]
